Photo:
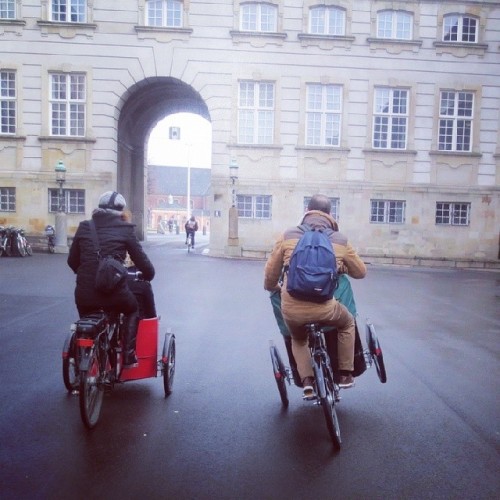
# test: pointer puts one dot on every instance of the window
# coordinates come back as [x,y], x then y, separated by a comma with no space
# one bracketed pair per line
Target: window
[7,199]
[7,9]
[334,212]
[68,11]
[455,121]
[259,17]
[73,201]
[254,207]
[164,13]
[458,28]
[394,24]
[327,21]
[390,118]
[323,113]
[387,211]
[256,113]
[453,214]
[67,104]
[7,102]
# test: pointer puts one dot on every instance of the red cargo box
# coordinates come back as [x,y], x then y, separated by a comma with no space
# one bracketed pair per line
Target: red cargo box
[147,351]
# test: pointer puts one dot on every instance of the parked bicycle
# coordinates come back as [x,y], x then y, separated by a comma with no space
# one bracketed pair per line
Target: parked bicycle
[20,243]
[5,241]
[13,240]
[51,238]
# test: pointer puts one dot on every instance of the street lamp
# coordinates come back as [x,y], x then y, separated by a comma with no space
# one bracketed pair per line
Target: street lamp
[233,175]
[233,241]
[61,245]
[60,179]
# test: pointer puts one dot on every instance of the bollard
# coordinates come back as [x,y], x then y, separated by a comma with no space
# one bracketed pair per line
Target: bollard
[177,229]
[204,230]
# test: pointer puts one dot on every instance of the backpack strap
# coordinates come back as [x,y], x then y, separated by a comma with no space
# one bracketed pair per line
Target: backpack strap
[95,238]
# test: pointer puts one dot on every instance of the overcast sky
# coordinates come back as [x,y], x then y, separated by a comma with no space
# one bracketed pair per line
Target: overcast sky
[194,148]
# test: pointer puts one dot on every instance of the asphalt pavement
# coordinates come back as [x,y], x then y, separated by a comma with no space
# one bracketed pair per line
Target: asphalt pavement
[432,431]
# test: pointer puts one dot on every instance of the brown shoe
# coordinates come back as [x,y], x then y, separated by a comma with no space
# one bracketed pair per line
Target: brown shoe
[346,381]
[308,385]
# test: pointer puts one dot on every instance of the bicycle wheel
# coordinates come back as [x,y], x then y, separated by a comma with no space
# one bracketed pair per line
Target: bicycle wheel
[376,352]
[168,363]
[29,249]
[69,365]
[324,388]
[21,249]
[91,393]
[279,372]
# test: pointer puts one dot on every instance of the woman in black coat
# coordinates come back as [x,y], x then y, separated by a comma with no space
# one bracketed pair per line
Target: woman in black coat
[116,237]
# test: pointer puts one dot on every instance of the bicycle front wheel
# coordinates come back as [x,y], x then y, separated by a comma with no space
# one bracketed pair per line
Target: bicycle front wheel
[29,249]
[21,249]
[326,395]
[91,393]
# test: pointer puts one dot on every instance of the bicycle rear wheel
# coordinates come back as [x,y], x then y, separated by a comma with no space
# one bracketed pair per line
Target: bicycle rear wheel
[326,395]
[29,249]
[376,352]
[280,376]
[91,393]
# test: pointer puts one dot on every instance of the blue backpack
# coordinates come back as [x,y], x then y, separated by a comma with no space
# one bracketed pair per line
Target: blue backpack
[312,271]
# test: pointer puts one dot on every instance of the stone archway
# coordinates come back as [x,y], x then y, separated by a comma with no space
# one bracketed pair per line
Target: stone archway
[145,104]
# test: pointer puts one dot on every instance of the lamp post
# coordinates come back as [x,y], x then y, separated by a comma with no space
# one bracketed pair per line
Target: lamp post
[233,240]
[61,233]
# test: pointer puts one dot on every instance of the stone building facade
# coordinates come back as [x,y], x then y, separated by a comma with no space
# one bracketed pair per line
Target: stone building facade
[391,108]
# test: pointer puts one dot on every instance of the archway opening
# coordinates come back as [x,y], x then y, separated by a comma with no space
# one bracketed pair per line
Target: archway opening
[179,173]
[144,105]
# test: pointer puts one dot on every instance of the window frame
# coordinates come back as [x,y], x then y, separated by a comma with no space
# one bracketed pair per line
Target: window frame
[327,12]
[174,8]
[66,6]
[390,119]
[253,206]
[67,113]
[7,199]
[450,125]
[311,134]
[262,8]
[8,103]
[386,211]
[447,28]
[394,22]
[73,201]
[7,7]
[453,214]
[256,120]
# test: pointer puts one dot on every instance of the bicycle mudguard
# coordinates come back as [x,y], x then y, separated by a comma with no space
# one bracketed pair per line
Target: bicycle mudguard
[91,325]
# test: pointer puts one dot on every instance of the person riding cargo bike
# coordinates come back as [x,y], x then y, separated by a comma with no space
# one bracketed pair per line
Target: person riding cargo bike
[297,312]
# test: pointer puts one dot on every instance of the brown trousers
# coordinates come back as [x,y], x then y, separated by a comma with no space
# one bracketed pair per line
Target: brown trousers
[335,315]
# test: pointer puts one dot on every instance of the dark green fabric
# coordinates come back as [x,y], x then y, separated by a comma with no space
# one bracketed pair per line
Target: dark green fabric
[343,294]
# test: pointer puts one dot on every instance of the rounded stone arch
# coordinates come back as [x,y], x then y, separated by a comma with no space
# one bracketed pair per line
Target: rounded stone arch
[144,105]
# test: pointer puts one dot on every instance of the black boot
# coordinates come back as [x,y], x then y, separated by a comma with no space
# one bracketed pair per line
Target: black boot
[129,329]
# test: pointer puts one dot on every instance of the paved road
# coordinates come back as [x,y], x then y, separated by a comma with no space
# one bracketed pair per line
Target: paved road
[431,432]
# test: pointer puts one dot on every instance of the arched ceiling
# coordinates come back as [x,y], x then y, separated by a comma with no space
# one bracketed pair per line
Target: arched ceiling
[151,100]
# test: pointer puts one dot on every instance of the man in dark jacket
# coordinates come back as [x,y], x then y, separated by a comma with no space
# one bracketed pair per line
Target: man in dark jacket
[191,227]
[116,237]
